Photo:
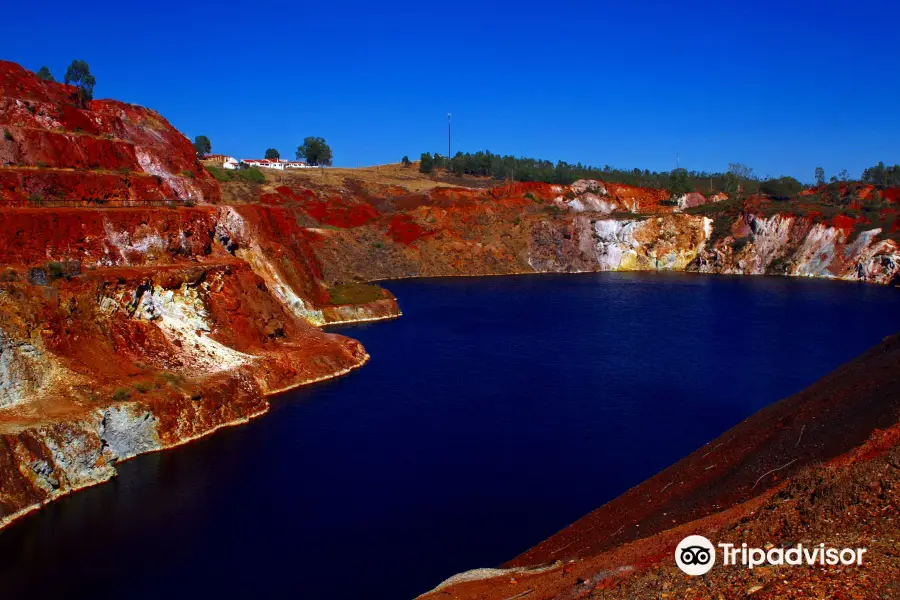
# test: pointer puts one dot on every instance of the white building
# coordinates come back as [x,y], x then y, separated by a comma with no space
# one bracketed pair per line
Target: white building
[230,163]
[264,163]
[295,164]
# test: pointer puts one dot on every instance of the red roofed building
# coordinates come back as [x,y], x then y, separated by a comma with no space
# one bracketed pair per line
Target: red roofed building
[263,163]
[267,163]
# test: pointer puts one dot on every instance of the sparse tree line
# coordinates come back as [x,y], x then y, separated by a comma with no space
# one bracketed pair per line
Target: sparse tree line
[738,180]
[678,181]
[314,150]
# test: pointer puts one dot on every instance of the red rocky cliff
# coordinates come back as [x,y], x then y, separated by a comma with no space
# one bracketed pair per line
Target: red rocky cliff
[134,313]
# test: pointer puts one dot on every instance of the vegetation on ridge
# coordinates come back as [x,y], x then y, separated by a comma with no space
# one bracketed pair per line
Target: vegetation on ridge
[202,145]
[738,179]
[487,164]
[79,75]
[45,74]
[315,151]
[250,174]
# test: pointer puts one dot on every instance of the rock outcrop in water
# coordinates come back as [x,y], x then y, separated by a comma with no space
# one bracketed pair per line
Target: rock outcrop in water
[144,304]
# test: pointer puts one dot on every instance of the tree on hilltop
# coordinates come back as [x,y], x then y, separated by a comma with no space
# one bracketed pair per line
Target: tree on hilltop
[202,145]
[79,75]
[426,163]
[738,174]
[782,188]
[679,184]
[315,151]
[882,175]
[272,154]
[405,161]
[820,176]
[45,74]
[741,171]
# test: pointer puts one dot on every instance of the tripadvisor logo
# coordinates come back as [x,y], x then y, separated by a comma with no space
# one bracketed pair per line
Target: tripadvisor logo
[696,555]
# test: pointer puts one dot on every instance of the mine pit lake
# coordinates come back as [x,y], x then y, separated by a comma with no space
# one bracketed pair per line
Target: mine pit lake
[495,412]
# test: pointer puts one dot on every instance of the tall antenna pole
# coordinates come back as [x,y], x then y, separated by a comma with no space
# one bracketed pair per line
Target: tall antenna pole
[448,135]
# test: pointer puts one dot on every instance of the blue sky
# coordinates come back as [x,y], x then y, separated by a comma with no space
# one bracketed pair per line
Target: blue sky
[780,86]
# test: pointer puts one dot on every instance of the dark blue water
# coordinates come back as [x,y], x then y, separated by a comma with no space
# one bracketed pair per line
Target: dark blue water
[494,413]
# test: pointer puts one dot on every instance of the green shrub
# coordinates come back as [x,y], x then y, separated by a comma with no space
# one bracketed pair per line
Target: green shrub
[58,269]
[355,293]
[781,188]
[679,185]
[779,266]
[172,379]
[253,175]
[219,173]
[7,135]
[55,269]
[739,244]
[188,173]
[426,163]
[121,394]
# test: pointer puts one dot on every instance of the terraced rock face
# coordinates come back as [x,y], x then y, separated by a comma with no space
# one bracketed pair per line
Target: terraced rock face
[588,226]
[56,152]
[137,312]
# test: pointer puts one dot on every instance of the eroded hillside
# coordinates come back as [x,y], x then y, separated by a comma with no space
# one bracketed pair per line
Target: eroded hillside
[137,311]
[390,222]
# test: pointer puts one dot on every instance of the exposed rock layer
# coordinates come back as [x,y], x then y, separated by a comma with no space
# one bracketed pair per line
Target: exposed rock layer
[137,312]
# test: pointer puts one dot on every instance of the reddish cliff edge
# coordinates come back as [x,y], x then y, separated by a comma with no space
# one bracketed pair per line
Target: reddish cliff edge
[143,304]
[137,311]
